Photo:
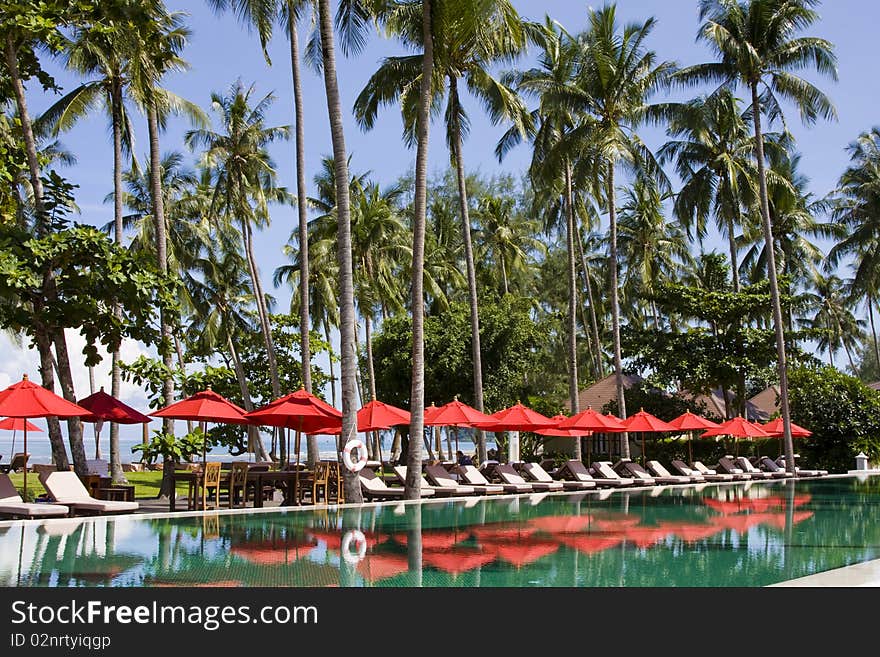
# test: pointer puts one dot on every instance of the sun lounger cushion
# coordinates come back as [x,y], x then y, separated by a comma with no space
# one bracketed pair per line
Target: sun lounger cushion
[66,488]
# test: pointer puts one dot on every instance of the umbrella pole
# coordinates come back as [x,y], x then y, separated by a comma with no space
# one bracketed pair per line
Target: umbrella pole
[296,474]
[643,448]
[24,487]
[204,427]
[690,448]
[12,451]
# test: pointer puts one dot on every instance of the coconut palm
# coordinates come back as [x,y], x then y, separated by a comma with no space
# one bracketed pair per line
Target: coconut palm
[244,180]
[855,204]
[832,315]
[468,38]
[507,239]
[614,80]
[652,249]
[712,149]
[757,46]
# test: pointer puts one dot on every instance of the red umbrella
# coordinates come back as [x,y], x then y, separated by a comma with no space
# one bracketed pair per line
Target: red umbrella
[14,424]
[644,422]
[205,406]
[563,433]
[774,428]
[516,418]
[690,422]
[26,399]
[738,427]
[379,415]
[590,420]
[105,407]
[454,414]
[300,410]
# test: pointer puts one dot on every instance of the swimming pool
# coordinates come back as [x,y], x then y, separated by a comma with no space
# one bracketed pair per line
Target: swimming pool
[714,535]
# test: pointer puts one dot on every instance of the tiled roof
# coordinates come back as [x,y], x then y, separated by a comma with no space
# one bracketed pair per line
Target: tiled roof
[603,391]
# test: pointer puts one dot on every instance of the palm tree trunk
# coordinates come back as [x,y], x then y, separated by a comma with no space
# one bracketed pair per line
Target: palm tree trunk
[41,333]
[573,388]
[774,284]
[734,264]
[330,362]
[181,363]
[262,312]
[158,203]
[27,130]
[253,432]
[94,424]
[504,276]
[873,330]
[343,239]
[615,311]
[74,424]
[413,485]
[313,454]
[116,474]
[469,259]
[594,324]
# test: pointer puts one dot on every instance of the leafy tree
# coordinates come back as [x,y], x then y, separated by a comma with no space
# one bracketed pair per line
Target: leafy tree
[842,413]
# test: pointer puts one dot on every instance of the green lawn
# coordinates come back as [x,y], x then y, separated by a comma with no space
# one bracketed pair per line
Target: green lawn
[146,484]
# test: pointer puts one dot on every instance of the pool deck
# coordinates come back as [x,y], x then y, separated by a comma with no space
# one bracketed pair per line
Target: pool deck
[859,574]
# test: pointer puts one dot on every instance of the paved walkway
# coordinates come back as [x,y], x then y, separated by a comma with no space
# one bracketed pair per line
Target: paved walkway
[860,574]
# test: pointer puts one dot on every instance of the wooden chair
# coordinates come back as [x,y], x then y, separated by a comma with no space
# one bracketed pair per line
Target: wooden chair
[18,463]
[319,482]
[334,482]
[238,482]
[211,479]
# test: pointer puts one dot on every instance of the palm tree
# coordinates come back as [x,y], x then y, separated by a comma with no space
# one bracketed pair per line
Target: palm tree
[507,238]
[244,181]
[756,46]
[261,15]
[712,150]
[162,37]
[651,248]
[347,341]
[468,38]
[832,314]
[855,204]
[614,79]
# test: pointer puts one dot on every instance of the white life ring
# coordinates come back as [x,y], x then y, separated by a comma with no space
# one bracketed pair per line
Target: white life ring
[350,446]
[360,544]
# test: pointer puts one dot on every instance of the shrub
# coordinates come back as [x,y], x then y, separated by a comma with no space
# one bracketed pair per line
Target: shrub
[842,413]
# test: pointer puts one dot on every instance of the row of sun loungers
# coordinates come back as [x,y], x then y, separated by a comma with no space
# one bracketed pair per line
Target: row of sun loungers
[68,495]
[494,478]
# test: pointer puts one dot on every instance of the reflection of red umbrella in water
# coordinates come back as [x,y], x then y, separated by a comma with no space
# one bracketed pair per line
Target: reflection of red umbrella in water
[588,543]
[434,540]
[690,532]
[377,567]
[273,553]
[690,422]
[644,537]
[14,424]
[523,552]
[333,540]
[501,531]
[457,561]
[754,503]
[104,407]
[26,399]
[569,524]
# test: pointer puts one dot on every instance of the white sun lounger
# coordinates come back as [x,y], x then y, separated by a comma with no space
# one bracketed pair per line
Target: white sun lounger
[66,488]
[535,472]
[12,506]
[475,478]
[663,475]
[604,470]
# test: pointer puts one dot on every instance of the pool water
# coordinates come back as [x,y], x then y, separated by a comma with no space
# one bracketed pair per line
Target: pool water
[715,535]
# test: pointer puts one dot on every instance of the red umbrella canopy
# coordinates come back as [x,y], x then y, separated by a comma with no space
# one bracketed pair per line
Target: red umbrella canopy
[644,421]
[455,414]
[18,424]
[379,415]
[27,399]
[738,427]
[564,433]
[590,420]
[105,407]
[204,406]
[775,428]
[299,410]
[688,421]
[516,418]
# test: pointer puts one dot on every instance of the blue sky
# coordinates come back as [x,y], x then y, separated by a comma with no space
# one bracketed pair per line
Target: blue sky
[221,51]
